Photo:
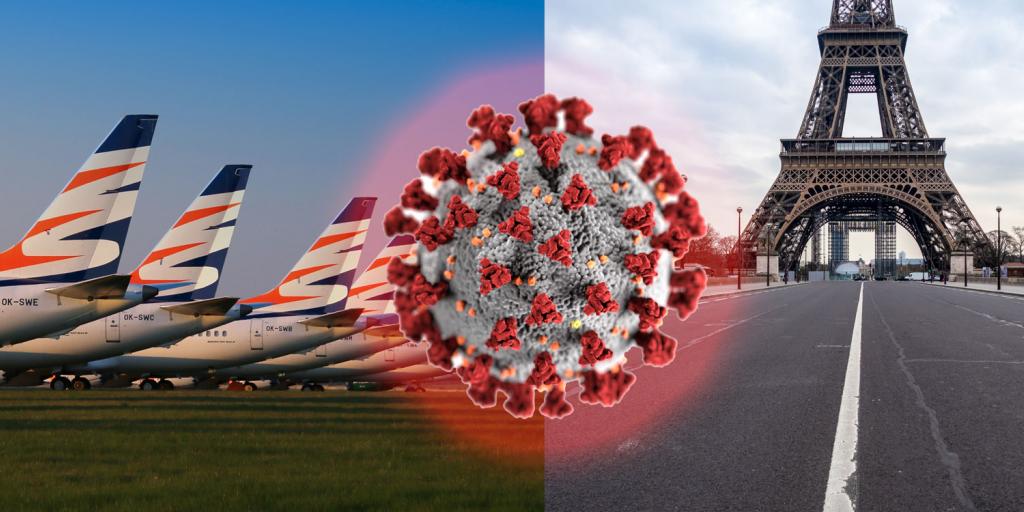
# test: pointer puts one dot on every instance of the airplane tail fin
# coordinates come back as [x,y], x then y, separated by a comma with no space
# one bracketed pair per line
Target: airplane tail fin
[319,283]
[372,292]
[81,234]
[186,264]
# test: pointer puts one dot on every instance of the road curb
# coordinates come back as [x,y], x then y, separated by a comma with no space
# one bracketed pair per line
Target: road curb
[969,289]
[748,292]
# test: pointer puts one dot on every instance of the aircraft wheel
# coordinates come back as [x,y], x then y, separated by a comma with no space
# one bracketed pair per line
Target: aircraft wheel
[249,386]
[165,385]
[81,384]
[317,387]
[60,384]
[307,387]
[148,385]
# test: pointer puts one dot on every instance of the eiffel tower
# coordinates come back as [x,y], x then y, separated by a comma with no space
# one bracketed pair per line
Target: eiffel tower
[898,178]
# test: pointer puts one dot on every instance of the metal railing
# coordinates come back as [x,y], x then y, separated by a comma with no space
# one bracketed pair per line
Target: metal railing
[864,146]
[861,28]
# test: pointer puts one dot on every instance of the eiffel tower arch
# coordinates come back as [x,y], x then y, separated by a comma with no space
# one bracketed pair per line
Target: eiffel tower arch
[827,178]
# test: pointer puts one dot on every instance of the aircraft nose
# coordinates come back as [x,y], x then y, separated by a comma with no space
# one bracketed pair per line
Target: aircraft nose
[148,292]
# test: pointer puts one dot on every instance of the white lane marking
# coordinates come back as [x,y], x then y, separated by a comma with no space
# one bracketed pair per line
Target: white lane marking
[840,491]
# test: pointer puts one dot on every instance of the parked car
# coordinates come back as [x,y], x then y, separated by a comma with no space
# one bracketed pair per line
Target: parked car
[691,266]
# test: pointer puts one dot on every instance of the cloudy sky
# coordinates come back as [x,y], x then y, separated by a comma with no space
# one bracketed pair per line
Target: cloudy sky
[721,82]
[307,92]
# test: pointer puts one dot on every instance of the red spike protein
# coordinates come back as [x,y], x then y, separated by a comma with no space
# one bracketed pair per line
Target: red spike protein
[544,255]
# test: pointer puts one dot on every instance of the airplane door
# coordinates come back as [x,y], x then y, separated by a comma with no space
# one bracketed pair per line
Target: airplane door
[321,351]
[389,355]
[113,328]
[256,334]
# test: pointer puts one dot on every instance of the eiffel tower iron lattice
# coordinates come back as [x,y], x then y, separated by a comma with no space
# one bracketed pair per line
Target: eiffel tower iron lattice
[828,178]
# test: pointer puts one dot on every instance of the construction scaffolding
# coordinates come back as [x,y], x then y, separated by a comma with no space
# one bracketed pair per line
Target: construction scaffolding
[884,229]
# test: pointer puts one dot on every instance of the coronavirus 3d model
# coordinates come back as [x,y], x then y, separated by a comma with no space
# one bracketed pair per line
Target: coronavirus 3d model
[544,255]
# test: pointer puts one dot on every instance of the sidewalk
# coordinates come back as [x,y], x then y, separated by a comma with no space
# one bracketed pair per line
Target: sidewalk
[748,286]
[1008,289]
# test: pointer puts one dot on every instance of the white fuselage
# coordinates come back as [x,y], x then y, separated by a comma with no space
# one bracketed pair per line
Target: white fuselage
[414,373]
[237,343]
[141,327]
[344,349]
[408,354]
[29,311]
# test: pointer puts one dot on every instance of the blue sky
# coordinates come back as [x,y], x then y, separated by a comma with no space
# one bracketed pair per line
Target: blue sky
[300,90]
[721,82]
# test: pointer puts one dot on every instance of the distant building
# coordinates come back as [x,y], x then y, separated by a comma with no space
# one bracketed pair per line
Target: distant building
[1014,269]
[848,269]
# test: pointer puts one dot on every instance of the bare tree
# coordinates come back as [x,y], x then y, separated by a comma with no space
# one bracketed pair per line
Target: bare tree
[989,254]
[1019,231]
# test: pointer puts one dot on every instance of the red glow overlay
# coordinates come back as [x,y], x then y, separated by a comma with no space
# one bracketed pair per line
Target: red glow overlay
[439,119]
[659,394]
[490,434]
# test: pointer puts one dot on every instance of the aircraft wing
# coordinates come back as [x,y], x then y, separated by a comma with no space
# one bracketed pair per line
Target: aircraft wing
[210,307]
[385,331]
[106,287]
[344,318]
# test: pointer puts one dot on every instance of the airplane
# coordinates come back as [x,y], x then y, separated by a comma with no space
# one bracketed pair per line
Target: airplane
[305,310]
[410,376]
[60,274]
[374,295]
[185,266]
[408,354]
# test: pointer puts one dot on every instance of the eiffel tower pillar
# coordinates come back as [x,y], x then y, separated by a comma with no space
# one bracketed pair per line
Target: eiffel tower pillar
[957,267]
[827,177]
[766,263]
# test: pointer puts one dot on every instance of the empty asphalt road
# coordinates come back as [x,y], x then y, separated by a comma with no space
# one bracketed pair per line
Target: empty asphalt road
[765,409]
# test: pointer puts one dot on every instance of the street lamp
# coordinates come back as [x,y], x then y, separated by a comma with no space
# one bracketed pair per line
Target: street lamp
[964,246]
[768,260]
[739,249]
[999,248]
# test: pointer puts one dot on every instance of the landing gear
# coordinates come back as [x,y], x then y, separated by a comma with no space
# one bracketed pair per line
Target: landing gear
[149,385]
[165,385]
[81,384]
[60,383]
[312,386]
[415,388]
[249,386]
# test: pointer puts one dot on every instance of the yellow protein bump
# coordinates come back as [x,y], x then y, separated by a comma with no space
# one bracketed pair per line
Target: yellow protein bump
[518,152]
